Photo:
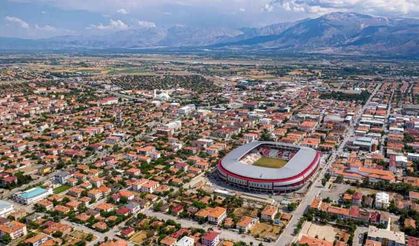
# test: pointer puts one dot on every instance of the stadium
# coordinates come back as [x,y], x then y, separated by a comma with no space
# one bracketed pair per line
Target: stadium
[269,166]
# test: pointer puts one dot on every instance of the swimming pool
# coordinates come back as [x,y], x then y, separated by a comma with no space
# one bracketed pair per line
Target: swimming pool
[34,192]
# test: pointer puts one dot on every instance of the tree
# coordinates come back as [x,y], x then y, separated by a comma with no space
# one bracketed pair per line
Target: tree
[339,179]
[57,234]
[292,206]
[266,136]
[6,239]
[89,237]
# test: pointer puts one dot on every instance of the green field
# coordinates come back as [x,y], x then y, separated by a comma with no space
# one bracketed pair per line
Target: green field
[270,162]
[61,188]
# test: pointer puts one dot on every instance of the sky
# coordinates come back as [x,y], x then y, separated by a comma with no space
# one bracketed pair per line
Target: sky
[37,19]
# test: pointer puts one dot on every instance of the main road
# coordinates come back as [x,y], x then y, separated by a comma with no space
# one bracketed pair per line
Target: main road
[287,237]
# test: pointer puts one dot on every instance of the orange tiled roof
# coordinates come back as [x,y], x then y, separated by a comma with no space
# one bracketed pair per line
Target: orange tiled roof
[311,241]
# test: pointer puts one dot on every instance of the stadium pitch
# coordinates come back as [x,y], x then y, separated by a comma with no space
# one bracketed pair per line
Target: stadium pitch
[270,162]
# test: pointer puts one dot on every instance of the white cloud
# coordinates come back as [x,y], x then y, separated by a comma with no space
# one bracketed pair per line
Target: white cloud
[46,28]
[113,25]
[325,6]
[146,24]
[17,21]
[122,11]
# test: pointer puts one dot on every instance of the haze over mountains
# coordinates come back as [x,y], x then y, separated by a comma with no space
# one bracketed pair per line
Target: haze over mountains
[339,32]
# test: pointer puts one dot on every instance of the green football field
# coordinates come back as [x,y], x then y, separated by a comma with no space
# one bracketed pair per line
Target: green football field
[270,162]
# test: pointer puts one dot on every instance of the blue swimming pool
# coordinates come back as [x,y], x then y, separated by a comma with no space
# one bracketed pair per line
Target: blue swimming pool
[34,192]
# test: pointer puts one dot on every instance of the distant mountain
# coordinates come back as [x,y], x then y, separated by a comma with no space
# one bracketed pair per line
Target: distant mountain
[339,32]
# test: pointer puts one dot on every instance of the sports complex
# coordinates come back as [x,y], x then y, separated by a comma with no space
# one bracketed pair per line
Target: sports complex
[269,166]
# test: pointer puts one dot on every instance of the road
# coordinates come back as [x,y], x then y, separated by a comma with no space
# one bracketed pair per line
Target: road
[287,237]
[359,236]
[386,125]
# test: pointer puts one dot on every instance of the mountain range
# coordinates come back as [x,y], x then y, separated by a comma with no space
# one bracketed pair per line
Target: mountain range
[334,33]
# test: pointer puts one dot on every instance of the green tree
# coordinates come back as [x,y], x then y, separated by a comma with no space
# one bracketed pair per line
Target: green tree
[6,239]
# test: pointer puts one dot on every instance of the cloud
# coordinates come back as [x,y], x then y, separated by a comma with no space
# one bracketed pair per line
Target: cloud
[46,28]
[122,11]
[17,21]
[146,24]
[113,25]
[325,6]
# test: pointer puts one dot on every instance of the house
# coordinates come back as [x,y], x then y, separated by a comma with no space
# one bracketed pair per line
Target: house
[94,194]
[268,213]
[75,191]
[133,172]
[62,209]
[14,229]
[185,241]
[246,223]
[177,209]
[357,198]
[52,227]
[217,215]
[127,232]
[83,217]
[412,241]
[37,240]
[114,243]
[168,241]
[86,185]
[45,203]
[414,196]
[182,231]
[105,207]
[150,186]
[6,180]
[134,207]
[100,226]
[311,241]
[74,205]
[126,194]
[210,238]
[123,211]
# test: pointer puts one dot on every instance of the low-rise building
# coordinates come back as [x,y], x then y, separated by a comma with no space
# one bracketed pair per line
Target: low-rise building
[14,229]
[32,195]
[386,237]
[210,238]
[5,208]
[185,241]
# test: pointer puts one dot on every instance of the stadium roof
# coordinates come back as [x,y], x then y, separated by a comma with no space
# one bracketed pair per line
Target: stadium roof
[302,160]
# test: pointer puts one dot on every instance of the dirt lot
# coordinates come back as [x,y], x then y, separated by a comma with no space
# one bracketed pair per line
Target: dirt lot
[139,237]
[240,212]
[76,236]
[264,230]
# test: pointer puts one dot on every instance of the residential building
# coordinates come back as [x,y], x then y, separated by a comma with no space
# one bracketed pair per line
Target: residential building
[386,237]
